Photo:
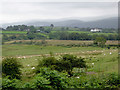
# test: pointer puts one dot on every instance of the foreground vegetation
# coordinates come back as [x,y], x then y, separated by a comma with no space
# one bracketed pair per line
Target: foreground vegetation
[45,74]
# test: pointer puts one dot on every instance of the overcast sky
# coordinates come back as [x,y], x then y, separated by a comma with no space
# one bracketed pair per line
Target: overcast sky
[17,11]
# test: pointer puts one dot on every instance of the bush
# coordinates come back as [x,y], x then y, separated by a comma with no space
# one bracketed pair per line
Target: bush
[49,61]
[11,68]
[53,78]
[8,84]
[46,62]
[40,82]
[113,80]
[67,63]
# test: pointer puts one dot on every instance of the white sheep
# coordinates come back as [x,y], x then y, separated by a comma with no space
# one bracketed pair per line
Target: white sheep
[33,68]
[93,64]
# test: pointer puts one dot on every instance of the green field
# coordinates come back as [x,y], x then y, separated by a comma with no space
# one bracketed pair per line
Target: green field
[96,54]
[14,32]
[20,32]
[88,32]
[105,60]
[64,42]
[18,50]
[53,31]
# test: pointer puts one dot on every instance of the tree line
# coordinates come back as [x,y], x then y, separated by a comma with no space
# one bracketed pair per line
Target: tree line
[51,27]
[80,36]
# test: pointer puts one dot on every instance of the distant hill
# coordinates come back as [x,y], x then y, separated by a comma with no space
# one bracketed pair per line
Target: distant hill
[104,23]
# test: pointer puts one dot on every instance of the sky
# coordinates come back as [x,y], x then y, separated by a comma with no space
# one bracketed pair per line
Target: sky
[26,10]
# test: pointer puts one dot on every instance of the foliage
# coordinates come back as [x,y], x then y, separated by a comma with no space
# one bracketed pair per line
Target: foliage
[113,80]
[56,79]
[11,67]
[75,35]
[8,84]
[52,79]
[40,82]
[67,63]
[47,62]
[100,41]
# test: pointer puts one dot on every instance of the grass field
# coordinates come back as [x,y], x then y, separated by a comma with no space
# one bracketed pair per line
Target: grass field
[105,60]
[18,50]
[9,33]
[88,32]
[14,32]
[24,32]
[64,42]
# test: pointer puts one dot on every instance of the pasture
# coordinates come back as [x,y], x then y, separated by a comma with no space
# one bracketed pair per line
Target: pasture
[14,32]
[99,60]
[20,50]
[88,32]
[19,32]
[63,42]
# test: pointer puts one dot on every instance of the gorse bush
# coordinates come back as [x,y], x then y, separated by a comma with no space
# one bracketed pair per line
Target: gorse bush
[113,80]
[49,61]
[40,82]
[54,78]
[46,62]
[68,62]
[8,84]
[65,63]
[11,67]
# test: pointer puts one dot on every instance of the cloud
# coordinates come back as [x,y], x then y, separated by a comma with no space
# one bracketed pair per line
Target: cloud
[22,11]
[60,0]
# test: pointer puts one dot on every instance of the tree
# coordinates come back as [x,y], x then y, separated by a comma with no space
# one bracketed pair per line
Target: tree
[32,29]
[42,28]
[51,26]
[11,67]
[68,62]
[100,41]
[63,35]
[67,28]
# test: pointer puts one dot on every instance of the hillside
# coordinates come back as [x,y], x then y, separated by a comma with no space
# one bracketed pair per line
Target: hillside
[104,23]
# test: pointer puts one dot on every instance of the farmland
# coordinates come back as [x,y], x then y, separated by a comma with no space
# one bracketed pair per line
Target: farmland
[14,32]
[97,55]
[88,32]
[100,61]
[105,60]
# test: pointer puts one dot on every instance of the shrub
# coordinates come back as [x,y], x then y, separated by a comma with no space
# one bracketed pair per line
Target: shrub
[46,62]
[40,82]
[11,68]
[67,63]
[113,80]
[8,84]
[56,79]
[27,85]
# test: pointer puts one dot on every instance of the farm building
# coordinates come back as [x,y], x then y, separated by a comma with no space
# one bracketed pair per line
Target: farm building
[38,30]
[96,30]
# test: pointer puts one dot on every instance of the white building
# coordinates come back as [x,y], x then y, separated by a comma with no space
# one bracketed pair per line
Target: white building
[96,30]
[38,30]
